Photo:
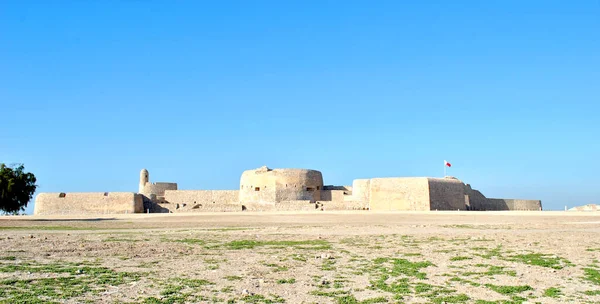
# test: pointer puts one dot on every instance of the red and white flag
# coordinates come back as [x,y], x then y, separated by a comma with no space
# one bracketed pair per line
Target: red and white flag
[447,164]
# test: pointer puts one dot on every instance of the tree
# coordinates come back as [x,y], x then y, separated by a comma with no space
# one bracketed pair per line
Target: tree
[16,188]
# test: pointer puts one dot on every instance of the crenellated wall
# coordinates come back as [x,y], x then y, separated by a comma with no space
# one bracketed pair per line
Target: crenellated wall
[88,203]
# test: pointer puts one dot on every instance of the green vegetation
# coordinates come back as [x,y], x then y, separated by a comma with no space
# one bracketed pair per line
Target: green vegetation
[496,252]
[508,290]
[276,267]
[492,271]
[542,260]
[8,258]
[63,281]
[350,299]
[233,278]
[460,258]
[328,265]
[16,188]
[552,292]
[464,281]
[250,244]
[402,267]
[181,290]
[286,281]
[592,275]
[114,239]
[191,241]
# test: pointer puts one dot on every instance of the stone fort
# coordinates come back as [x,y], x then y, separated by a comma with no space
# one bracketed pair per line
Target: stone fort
[266,189]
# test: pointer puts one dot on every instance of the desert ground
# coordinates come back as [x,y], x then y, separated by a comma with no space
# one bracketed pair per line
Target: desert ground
[317,257]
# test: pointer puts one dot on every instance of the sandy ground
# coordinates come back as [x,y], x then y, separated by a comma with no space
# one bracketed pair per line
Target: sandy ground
[326,257]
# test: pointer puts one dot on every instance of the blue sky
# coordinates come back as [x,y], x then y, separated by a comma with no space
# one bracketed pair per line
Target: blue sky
[91,92]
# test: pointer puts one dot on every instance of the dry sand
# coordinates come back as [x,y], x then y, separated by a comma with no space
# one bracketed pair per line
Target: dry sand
[326,257]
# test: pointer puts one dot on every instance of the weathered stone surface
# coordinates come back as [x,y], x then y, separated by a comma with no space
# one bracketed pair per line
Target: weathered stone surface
[265,189]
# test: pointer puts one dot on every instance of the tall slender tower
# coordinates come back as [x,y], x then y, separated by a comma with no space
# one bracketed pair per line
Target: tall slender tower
[144,178]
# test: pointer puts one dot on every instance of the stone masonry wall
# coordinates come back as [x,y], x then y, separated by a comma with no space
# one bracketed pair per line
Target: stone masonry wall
[158,188]
[88,203]
[446,194]
[333,195]
[192,197]
[515,204]
[409,193]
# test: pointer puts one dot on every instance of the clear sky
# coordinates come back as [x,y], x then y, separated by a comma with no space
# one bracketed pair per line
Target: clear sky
[91,92]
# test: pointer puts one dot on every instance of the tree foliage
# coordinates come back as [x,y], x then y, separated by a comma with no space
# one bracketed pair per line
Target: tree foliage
[16,188]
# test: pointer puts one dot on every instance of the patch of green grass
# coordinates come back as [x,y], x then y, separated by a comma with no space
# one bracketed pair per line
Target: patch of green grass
[286,281]
[277,268]
[62,281]
[402,266]
[328,265]
[227,289]
[492,271]
[593,249]
[181,290]
[233,278]
[115,239]
[552,292]
[592,293]
[464,281]
[8,258]
[416,254]
[592,275]
[229,229]
[507,289]
[191,241]
[262,299]
[496,252]
[331,294]
[542,260]
[460,298]
[460,258]
[298,257]
[308,244]
[461,226]
[350,299]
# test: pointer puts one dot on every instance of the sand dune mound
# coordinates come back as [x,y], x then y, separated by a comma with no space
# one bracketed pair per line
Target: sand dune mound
[589,207]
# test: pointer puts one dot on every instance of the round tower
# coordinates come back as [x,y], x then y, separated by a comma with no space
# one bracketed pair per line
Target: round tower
[144,178]
[265,185]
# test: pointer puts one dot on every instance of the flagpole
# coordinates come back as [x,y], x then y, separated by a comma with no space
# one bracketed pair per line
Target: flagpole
[444,169]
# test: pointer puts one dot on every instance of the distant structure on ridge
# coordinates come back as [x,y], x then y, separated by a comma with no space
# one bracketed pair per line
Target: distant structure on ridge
[266,189]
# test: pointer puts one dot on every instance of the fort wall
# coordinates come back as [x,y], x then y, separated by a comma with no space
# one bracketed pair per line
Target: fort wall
[88,203]
[158,188]
[334,195]
[514,204]
[361,190]
[408,193]
[446,194]
[204,197]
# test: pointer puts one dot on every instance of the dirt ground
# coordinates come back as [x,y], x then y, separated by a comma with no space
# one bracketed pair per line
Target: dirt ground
[326,257]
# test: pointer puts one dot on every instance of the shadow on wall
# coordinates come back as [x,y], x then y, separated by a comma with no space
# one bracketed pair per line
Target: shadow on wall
[153,207]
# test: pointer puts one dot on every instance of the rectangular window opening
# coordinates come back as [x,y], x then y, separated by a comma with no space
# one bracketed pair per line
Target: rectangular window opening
[257,189]
[310,189]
